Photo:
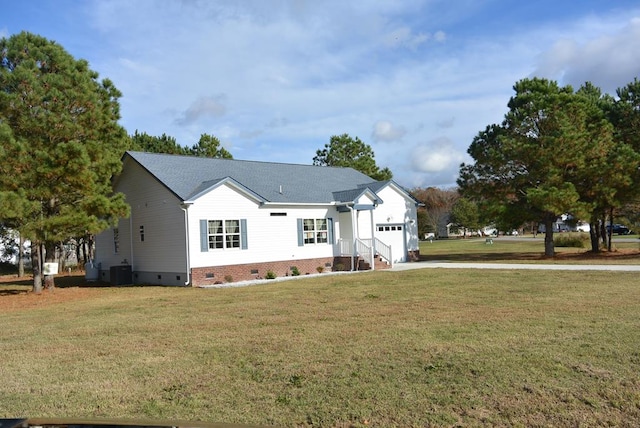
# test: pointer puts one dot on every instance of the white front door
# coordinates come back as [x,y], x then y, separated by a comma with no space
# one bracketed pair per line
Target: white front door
[393,234]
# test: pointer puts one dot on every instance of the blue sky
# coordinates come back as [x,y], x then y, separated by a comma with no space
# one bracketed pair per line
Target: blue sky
[274,79]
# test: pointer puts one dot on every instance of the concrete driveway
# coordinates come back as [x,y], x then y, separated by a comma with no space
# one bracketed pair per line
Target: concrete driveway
[532,266]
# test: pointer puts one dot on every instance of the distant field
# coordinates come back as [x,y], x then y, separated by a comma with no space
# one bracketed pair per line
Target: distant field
[527,249]
[415,348]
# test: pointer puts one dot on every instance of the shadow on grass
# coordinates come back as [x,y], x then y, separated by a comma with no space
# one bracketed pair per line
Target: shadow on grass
[481,257]
[8,284]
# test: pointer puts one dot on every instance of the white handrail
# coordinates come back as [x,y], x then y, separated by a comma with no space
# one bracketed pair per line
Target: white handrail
[384,251]
[364,250]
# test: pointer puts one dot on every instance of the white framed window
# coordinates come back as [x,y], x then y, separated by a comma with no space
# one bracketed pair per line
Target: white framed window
[315,231]
[309,231]
[389,228]
[321,231]
[116,240]
[223,234]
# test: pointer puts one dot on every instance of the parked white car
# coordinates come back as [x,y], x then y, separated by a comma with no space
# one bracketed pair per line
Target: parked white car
[583,227]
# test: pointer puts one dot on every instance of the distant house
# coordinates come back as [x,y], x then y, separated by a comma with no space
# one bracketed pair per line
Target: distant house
[197,221]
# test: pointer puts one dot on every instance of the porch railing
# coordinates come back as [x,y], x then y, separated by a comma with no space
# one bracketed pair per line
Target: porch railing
[346,247]
[363,249]
[384,251]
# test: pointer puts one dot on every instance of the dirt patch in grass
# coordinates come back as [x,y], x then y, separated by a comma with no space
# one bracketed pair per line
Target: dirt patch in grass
[619,254]
[16,294]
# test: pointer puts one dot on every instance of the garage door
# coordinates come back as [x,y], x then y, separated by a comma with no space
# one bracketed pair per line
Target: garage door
[393,235]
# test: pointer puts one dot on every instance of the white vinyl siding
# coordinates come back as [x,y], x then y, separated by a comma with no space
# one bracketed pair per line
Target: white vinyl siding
[157,223]
[270,237]
[398,211]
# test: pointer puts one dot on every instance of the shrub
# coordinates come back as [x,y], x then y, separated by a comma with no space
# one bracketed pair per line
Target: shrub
[228,278]
[320,269]
[574,240]
[295,271]
[270,275]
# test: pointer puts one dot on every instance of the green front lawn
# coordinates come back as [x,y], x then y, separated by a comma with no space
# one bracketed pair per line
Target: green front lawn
[416,348]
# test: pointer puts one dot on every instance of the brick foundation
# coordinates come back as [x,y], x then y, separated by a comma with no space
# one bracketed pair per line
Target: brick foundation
[245,272]
[413,256]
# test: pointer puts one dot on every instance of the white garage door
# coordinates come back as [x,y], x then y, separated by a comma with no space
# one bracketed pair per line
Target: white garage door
[394,236]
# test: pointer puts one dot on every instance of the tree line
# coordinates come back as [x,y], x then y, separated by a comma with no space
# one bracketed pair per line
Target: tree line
[558,151]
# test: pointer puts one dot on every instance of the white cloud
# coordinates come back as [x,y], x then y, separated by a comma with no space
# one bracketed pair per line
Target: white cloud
[385,131]
[609,60]
[203,107]
[435,156]
[446,123]
[405,37]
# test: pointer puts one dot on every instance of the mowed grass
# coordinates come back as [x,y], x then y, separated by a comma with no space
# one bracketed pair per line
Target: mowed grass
[414,348]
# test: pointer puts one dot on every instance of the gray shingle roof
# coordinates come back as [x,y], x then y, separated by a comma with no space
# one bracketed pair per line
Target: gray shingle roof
[187,176]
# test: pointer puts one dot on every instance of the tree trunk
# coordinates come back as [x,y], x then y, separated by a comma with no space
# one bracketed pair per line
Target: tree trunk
[78,247]
[593,234]
[50,257]
[549,249]
[90,247]
[36,261]
[610,231]
[20,255]
[602,230]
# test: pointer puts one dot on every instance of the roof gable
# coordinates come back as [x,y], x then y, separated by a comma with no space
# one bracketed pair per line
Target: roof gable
[189,177]
[355,195]
[378,186]
[208,186]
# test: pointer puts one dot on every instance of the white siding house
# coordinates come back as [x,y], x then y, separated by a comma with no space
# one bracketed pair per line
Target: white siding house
[197,221]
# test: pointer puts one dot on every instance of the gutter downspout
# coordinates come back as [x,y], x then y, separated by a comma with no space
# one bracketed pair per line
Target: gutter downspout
[373,242]
[184,208]
[353,235]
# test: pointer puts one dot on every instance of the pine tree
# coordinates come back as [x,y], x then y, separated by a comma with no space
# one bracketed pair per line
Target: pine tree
[60,138]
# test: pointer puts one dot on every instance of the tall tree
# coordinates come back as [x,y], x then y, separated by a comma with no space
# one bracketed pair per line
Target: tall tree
[344,151]
[209,147]
[625,117]
[529,166]
[143,142]
[59,127]
[606,180]
[465,214]
[436,211]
